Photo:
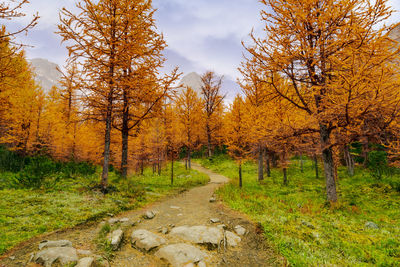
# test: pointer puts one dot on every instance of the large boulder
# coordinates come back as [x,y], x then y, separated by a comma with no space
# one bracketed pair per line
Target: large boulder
[54,244]
[145,240]
[199,234]
[49,256]
[181,254]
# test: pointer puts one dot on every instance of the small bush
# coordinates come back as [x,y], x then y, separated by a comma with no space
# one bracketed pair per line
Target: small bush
[378,164]
[34,174]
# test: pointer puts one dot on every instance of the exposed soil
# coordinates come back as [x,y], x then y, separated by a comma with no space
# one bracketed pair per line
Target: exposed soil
[189,208]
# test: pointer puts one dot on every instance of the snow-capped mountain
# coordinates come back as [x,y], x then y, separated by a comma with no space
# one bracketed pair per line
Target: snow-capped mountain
[46,73]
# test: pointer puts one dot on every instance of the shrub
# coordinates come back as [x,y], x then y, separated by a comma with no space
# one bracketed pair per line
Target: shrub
[378,163]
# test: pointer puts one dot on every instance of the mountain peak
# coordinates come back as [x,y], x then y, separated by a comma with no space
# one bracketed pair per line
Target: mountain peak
[46,73]
[192,80]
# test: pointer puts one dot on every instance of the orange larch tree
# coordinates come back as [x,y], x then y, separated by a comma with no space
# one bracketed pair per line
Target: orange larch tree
[189,106]
[316,46]
[212,102]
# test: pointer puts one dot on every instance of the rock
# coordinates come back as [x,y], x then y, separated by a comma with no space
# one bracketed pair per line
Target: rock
[63,255]
[201,264]
[181,254]
[113,221]
[215,220]
[54,244]
[180,214]
[11,258]
[232,239]
[82,252]
[240,230]
[213,199]
[171,225]
[86,262]
[371,225]
[309,225]
[123,220]
[199,234]
[149,215]
[163,230]
[116,238]
[145,240]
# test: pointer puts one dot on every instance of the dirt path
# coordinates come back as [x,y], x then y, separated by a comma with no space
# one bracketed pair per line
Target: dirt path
[191,208]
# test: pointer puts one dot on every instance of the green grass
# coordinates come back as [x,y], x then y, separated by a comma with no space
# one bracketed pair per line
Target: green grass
[304,228]
[26,213]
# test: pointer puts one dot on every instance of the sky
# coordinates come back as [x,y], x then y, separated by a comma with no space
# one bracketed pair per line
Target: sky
[201,34]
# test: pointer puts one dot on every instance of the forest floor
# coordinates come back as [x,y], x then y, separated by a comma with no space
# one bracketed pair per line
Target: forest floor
[191,208]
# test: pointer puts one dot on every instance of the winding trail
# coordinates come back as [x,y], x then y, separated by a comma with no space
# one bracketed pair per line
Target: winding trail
[189,208]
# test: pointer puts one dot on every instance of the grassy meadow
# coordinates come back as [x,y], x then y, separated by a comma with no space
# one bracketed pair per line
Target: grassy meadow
[67,198]
[307,230]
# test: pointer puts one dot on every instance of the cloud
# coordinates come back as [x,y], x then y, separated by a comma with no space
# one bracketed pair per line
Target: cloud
[201,34]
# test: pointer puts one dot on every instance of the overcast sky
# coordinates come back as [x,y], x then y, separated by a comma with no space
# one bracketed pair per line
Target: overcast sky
[201,34]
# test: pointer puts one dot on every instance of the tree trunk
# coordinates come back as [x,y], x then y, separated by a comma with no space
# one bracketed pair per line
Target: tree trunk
[240,175]
[365,152]
[125,137]
[285,179]
[349,160]
[316,166]
[107,144]
[268,159]
[172,170]
[141,167]
[329,165]
[209,149]
[189,160]
[260,163]
[301,163]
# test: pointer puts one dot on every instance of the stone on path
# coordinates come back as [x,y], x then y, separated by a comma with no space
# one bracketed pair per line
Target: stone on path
[240,230]
[232,239]
[181,255]
[145,240]
[63,255]
[86,262]
[163,230]
[213,199]
[116,238]
[199,234]
[215,220]
[53,244]
[149,215]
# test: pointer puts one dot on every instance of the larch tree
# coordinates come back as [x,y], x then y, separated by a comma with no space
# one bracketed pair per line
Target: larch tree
[142,92]
[316,46]
[236,133]
[189,107]
[109,38]
[212,101]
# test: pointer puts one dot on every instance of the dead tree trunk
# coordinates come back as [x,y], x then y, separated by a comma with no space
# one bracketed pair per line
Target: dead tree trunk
[260,163]
[240,175]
